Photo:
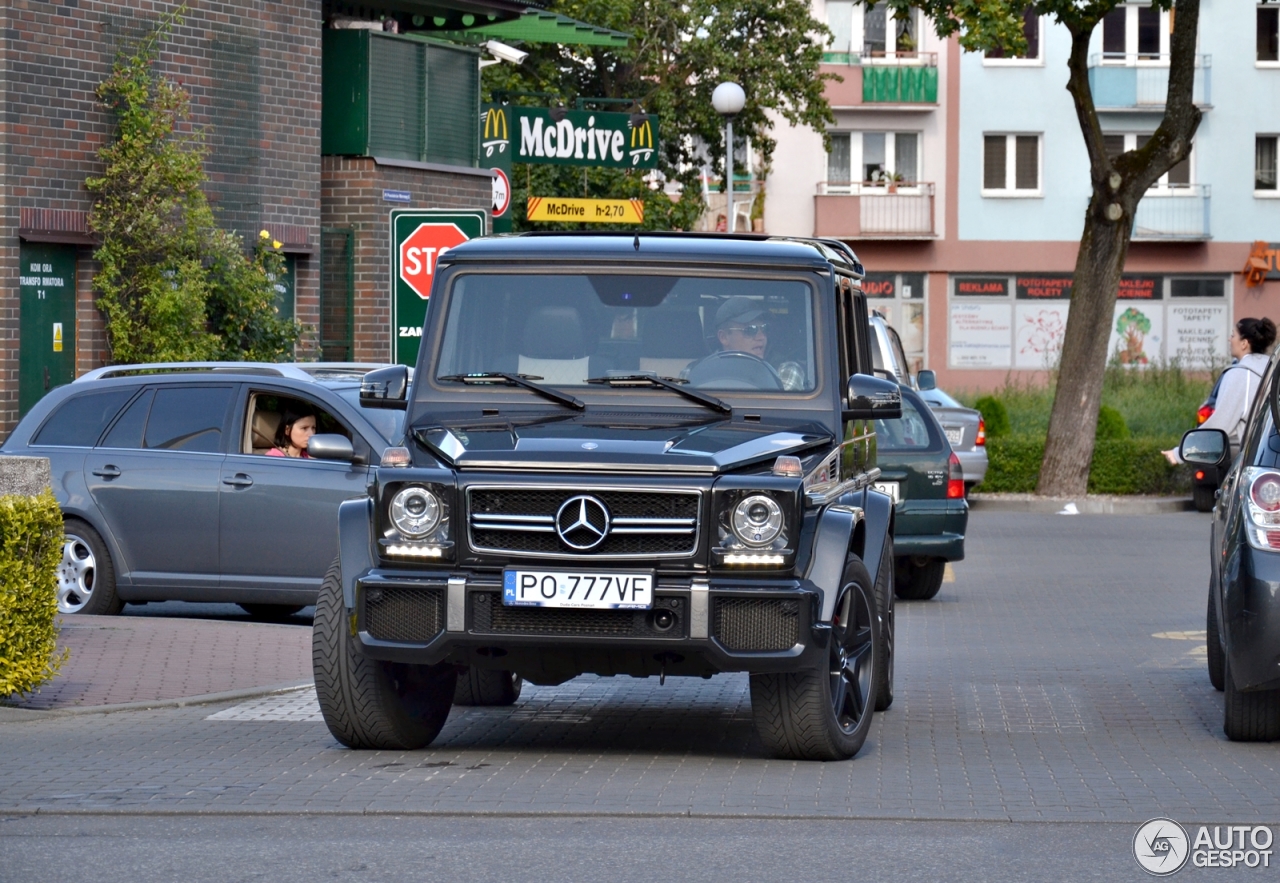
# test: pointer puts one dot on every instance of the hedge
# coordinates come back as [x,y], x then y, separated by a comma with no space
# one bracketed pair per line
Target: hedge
[30,551]
[1120,466]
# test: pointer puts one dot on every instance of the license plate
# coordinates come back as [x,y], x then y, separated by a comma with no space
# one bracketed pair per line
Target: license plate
[888,487]
[583,591]
[955,436]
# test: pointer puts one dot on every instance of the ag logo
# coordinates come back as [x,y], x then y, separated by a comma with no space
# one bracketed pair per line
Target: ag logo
[420,251]
[1161,847]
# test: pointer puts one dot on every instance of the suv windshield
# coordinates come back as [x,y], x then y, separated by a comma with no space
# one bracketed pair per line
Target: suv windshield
[564,329]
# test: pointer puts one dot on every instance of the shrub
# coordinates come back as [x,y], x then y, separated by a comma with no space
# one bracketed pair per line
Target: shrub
[30,550]
[994,415]
[1111,425]
[1120,466]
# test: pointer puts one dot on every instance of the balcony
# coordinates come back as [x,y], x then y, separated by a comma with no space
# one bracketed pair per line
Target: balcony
[871,211]
[905,81]
[1176,214]
[1123,82]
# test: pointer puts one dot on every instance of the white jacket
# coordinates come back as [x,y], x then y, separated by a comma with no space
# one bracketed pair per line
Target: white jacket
[1240,384]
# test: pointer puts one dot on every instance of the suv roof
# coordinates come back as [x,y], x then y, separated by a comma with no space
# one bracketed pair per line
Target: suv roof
[312,371]
[645,247]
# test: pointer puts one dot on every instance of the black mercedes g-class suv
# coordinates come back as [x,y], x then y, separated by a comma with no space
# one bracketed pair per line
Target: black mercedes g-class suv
[625,455]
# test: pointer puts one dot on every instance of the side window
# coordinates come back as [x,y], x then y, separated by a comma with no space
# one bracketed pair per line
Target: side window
[80,420]
[899,355]
[127,433]
[910,433]
[269,414]
[188,418]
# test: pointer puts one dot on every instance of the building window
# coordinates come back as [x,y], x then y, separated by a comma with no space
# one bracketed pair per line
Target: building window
[1268,33]
[1264,164]
[859,33]
[1011,165]
[1032,30]
[1178,176]
[1133,33]
[873,159]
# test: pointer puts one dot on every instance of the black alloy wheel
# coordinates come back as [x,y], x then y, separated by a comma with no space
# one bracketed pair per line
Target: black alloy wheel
[852,656]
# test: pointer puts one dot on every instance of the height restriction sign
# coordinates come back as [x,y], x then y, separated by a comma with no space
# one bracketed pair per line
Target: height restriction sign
[418,238]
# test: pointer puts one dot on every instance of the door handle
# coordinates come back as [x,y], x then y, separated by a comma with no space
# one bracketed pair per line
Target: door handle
[238,480]
[107,472]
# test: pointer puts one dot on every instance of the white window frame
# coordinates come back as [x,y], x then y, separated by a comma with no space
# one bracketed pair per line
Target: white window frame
[1267,194]
[1162,187]
[1010,167]
[857,185]
[858,33]
[1020,62]
[1131,58]
[1273,65]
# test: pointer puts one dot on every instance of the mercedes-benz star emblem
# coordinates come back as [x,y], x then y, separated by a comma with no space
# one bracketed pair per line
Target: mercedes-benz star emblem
[582,523]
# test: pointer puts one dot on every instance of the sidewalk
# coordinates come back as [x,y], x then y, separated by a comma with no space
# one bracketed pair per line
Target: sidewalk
[1090,504]
[126,660]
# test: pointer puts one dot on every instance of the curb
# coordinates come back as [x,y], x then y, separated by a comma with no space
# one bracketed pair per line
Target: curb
[10,714]
[1087,505]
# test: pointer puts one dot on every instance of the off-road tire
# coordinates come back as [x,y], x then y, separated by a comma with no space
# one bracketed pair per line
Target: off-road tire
[1213,644]
[102,600]
[919,582]
[481,686]
[1252,716]
[271,612]
[885,604]
[1203,498]
[796,712]
[368,703]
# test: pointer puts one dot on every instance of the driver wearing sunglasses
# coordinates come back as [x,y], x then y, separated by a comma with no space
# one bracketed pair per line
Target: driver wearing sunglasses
[741,326]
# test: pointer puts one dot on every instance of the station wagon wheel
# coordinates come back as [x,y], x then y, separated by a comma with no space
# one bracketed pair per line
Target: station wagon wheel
[825,712]
[86,578]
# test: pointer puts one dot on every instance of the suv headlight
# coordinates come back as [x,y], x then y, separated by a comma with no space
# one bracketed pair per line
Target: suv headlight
[415,512]
[757,521]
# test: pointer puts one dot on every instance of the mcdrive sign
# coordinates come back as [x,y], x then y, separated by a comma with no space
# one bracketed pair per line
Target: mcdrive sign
[418,238]
[583,138]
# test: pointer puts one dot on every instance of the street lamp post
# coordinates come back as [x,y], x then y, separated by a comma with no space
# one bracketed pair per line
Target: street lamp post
[728,100]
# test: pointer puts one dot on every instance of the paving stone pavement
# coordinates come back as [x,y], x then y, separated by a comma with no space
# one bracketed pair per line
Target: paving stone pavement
[1060,677]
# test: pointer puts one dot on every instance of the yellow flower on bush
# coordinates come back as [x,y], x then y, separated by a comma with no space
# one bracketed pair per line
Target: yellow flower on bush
[264,234]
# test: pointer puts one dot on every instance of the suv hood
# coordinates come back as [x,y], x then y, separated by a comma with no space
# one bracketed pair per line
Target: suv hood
[638,443]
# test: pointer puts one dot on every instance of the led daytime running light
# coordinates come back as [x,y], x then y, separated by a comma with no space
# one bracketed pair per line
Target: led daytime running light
[415,551]
[753,558]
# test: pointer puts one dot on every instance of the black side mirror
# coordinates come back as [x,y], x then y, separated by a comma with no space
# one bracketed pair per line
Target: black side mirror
[1205,447]
[385,388]
[331,446]
[926,379]
[870,398]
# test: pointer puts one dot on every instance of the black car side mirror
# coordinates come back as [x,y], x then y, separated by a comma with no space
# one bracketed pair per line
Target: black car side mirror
[870,398]
[331,446]
[1205,447]
[385,388]
[926,379]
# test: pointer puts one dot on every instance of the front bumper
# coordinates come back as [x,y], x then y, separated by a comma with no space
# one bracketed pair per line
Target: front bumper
[720,624]
[932,528]
[1251,618]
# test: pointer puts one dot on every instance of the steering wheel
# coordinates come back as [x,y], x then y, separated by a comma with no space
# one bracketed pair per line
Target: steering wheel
[733,369]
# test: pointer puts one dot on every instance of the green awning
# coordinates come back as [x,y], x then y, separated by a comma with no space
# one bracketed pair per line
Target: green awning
[536,26]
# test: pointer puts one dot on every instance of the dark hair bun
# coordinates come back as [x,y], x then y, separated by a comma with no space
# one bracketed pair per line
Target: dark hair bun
[1260,333]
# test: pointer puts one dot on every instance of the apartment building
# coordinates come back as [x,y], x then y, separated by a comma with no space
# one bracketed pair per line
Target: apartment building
[970,234]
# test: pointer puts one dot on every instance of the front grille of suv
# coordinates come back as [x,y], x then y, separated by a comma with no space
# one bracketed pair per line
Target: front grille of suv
[407,615]
[757,623]
[645,524]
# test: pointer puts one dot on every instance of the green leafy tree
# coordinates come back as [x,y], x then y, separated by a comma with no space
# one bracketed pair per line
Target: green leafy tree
[679,53]
[173,286]
[1118,183]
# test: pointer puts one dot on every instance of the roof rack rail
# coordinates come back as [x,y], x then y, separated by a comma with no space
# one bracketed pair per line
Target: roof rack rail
[267,368]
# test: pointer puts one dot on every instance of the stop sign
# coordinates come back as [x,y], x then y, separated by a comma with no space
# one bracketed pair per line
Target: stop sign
[421,249]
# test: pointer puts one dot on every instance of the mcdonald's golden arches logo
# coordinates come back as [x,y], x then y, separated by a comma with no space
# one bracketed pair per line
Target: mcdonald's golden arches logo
[641,141]
[496,133]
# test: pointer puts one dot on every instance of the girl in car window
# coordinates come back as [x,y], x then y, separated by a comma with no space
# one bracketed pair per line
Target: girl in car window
[294,433]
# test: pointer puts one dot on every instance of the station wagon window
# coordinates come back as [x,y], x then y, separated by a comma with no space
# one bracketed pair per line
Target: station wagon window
[267,410]
[175,419]
[566,328]
[912,432]
[80,420]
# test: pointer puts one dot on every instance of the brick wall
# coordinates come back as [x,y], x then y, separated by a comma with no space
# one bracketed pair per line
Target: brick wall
[253,72]
[351,197]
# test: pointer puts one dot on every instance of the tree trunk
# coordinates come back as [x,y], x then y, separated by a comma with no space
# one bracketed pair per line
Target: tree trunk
[1118,184]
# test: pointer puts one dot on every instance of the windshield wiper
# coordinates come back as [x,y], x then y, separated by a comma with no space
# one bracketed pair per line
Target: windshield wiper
[671,383]
[521,380]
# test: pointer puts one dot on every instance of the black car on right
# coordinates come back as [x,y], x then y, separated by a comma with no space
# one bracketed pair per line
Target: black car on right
[1243,618]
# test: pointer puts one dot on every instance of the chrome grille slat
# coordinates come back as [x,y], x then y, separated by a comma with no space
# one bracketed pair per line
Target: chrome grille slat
[645,523]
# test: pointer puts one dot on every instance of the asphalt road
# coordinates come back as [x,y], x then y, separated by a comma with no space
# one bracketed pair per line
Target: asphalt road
[1052,698]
